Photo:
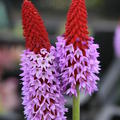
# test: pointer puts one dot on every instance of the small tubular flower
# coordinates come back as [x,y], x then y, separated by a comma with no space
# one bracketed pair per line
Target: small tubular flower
[76,53]
[42,98]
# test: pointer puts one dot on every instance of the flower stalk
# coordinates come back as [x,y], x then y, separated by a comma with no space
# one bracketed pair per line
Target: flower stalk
[76,105]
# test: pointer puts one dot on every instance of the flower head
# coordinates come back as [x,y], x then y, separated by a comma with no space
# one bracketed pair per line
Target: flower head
[42,98]
[76,53]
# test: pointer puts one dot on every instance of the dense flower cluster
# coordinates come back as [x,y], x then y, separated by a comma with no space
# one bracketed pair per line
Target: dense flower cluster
[77,67]
[76,28]
[76,53]
[48,71]
[42,99]
[34,30]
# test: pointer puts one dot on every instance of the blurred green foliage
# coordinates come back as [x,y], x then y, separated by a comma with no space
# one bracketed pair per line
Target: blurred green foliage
[18,31]
[3,16]
[94,4]
[64,4]
[60,4]
[53,5]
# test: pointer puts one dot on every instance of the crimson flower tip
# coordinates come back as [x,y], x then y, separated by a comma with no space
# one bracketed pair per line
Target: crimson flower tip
[34,30]
[76,25]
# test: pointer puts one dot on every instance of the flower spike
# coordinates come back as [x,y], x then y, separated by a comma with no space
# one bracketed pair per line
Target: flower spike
[76,26]
[34,30]
[77,54]
[42,98]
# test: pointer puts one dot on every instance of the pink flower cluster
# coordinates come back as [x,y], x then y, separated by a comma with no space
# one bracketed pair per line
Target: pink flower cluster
[42,98]
[77,67]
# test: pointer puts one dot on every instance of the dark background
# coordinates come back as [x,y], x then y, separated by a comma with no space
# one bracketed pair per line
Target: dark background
[103,18]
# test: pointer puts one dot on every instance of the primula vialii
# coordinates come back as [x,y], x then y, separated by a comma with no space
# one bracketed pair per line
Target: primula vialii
[77,55]
[42,98]
[77,52]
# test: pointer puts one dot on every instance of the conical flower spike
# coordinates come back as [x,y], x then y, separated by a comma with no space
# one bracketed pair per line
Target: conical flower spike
[76,26]
[76,52]
[42,98]
[34,30]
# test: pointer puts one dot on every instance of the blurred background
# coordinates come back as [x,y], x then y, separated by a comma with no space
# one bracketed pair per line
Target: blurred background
[103,21]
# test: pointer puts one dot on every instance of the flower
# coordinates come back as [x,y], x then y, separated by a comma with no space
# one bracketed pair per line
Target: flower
[77,53]
[42,98]
[117,41]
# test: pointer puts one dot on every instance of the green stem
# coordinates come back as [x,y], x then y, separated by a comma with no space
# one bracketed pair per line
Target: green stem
[76,105]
